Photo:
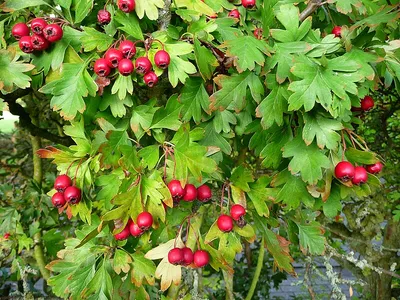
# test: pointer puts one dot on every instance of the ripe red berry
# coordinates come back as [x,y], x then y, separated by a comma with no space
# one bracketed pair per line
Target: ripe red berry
[103,17]
[337,31]
[248,3]
[344,171]
[101,67]
[62,182]
[201,258]
[367,103]
[237,211]
[225,223]
[234,13]
[58,200]
[142,65]
[150,79]
[175,256]
[113,57]
[128,48]
[37,25]
[25,44]
[258,33]
[204,193]
[126,5]
[360,175]
[162,59]
[375,168]
[187,256]
[6,235]
[144,220]
[176,190]
[39,42]
[53,33]
[123,235]
[125,67]
[135,230]
[190,193]
[19,30]
[72,194]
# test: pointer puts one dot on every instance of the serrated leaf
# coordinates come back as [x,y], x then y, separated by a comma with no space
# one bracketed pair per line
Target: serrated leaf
[246,231]
[205,60]
[198,6]
[141,119]
[92,39]
[332,206]
[194,98]
[11,5]
[117,106]
[142,269]
[214,139]
[82,9]
[12,72]
[150,155]
[129,24]
[122,86]
[101,285]
[226,28]
[213,233]
[168,117]
[345,6]
[260,195]
[229,246]
[361,157]
[148,7]
[311,238]
[241,177]
[111,151]
[179,69]
[121,261]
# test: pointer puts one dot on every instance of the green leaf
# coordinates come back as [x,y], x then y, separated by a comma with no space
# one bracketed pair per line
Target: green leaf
[53,58]
[345,6]
[141,119]
[116,105]
[205,60]
[111,149]
[101,286]
[24,242]
[311,238]
[121,261]
[259,195]
[197,6]
[332,206]
[241,177]
[212,234]
[229,246]
[108,191]
[223,119]
[150,7]
[12,72]
[179,69]
[122,86]
[129,23]
[150,155]
[194,98]
[361,157]
[168,117]
[306,160]
[142,269]
[212,138]
[82,9]
[92,39]
[226,28]
[11,5]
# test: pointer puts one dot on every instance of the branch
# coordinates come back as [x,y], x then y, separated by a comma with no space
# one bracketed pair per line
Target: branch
[311,7]
[164,16]
[260,263]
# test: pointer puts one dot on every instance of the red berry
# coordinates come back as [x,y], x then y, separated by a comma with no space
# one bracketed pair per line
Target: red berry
[204,193]
[142,65]
[126,5]
[344,171]
[258,33]
[144,220]
[201,258]
[375,168]
[225,223]
[248,3]
[237,211]
[123,235]
[360,175]
[53,33]
[39,42]
[187,256]
[113,57]
[150,79]
[37,25]
[125,67]
[101,67]
[162,59]
[25,44]
[175,256]
[234,13]
[135,230]
[103,17]
[176,190]
[62,182]
[337,31]
[128,48]
[19,30]
[190,193]
[58,200]
[72,194]
[367,103]
[6,235]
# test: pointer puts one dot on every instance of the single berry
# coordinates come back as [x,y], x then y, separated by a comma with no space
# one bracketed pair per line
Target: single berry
[126,5]
[62,182]
[128,48]
[53,33]
[237,211]
[113,57]
[225,223]
[58,200]
[37,25]
[248,3]
[234,13]
[142,65]
[258,33]
[25,44]
[101,67]
[360,175]
[175,256]
[135,230]
[367,103]
[201,258]
[337,31]
[39,42]
[123,235]
[176,190]
[6,235]
[72,194]
[344,171]
[375,168]
[190,193]
[125,67]
[162,59]
[19,30]
[144,220]
[103,17]
[187,256]
[150,79]
[204,193]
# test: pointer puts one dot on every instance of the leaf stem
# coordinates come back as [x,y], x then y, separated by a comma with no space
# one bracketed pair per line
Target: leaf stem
[260,263]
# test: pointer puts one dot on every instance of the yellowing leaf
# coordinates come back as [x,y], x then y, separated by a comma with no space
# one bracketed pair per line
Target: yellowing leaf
[12,72]
[150,7]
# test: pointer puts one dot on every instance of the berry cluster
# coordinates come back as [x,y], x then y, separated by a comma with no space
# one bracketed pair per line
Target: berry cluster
[189,193]
[225,222]
[143,222]
[43,34]
[66,192]
[104,16]
[185,257]
[345,171]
